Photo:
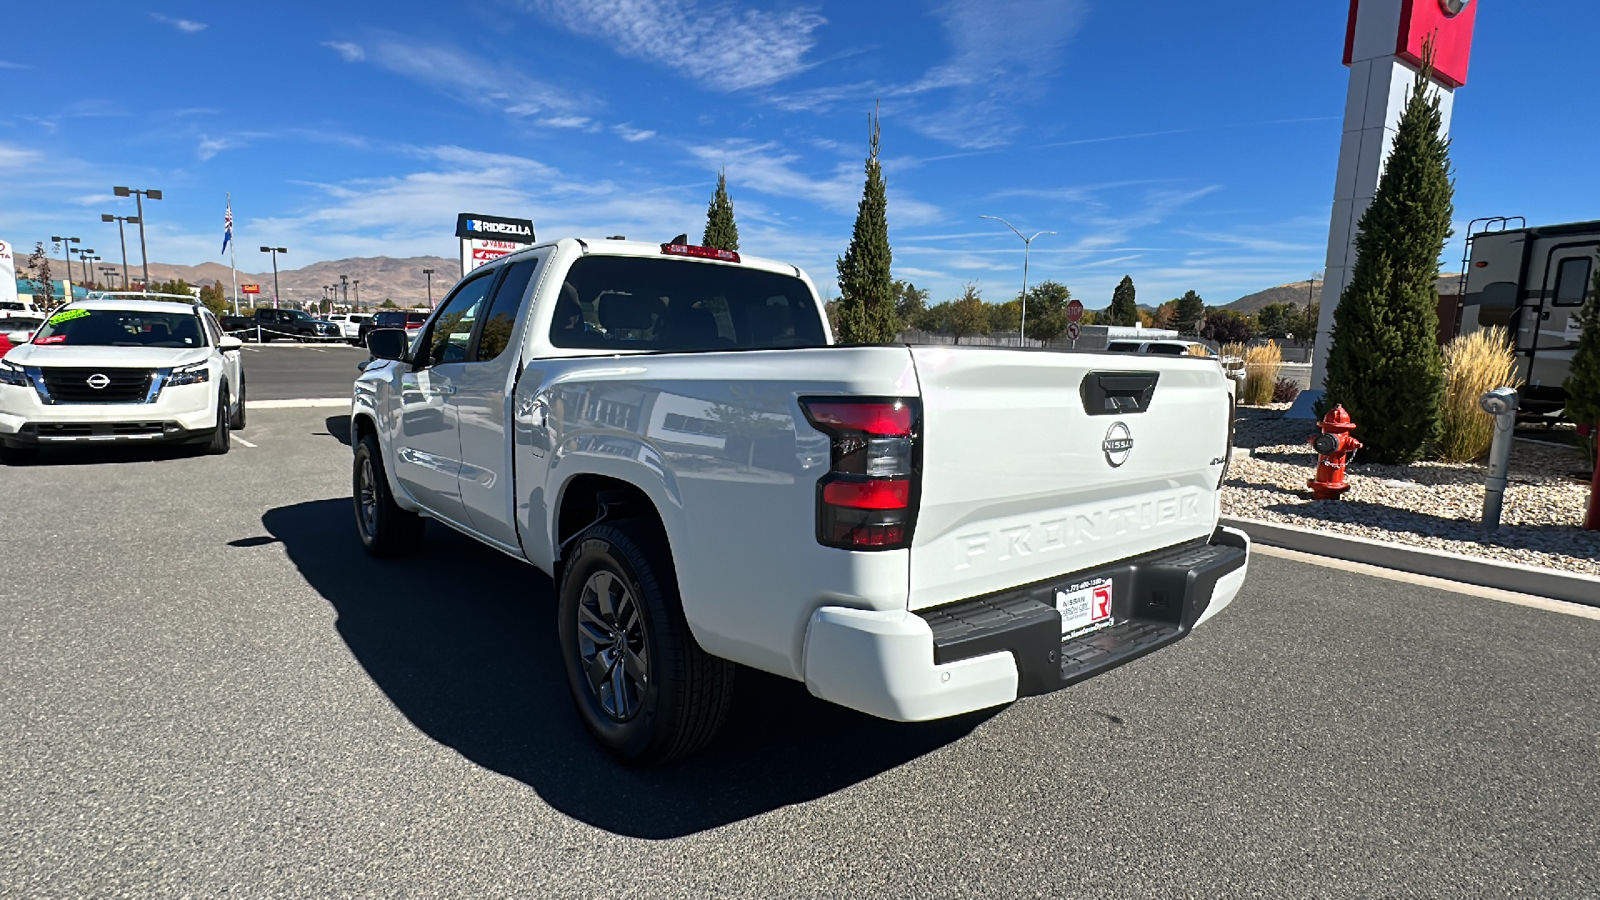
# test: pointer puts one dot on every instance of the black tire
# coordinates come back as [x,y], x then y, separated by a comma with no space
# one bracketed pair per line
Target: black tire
[18,456]
[221,436]
[654,695]
[237,421]
[386,530]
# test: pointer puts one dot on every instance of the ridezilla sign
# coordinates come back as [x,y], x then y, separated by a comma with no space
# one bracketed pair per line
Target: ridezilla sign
[487,238]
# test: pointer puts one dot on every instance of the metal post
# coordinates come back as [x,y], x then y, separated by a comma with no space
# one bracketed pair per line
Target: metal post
[1502,404]
[122,233]
[1591,522]
[429,274]
[144,254]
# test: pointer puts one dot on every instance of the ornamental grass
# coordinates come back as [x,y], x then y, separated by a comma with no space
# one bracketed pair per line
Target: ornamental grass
[1262,363]
[1473,364]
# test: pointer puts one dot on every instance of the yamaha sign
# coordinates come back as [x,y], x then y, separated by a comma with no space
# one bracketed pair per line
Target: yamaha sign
[487,238]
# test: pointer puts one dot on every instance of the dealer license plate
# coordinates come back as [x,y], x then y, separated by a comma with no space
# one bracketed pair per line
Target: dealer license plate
[1084,605]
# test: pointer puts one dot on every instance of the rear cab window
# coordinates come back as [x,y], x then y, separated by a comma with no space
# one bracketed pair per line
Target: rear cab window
[674,305]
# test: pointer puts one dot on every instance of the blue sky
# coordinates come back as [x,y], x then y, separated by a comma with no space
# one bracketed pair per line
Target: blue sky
[1190,145]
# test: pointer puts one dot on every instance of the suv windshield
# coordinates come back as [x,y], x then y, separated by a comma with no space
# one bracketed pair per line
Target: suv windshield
[670,305]
[121,328]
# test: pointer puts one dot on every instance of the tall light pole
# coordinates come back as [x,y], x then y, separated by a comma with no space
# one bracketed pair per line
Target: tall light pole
[83,260]
[1027,244]
[120,220]
[357,283]
[429,273]
[344,287]
[66,254]
[138,199]
[274,251]
[88,277]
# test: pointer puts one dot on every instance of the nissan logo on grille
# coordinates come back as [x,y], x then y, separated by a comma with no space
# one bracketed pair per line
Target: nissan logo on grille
[98,381]
[1117,445]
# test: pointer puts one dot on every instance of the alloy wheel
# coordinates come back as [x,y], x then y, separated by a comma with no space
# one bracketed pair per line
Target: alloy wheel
[611,645]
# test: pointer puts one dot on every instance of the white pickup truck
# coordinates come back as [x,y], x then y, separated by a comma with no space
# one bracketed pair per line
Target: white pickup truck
[913,532]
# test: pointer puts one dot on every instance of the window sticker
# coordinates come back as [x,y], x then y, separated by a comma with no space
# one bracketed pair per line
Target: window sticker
[67,316]
[52,339]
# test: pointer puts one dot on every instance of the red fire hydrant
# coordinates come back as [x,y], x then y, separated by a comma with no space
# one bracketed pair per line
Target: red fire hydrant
[1336,448]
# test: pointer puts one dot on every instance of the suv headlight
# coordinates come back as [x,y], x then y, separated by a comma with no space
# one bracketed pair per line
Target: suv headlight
[194,374]
[13,374]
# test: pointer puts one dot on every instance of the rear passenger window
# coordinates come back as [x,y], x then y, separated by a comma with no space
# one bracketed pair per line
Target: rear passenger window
[504,310]
[672,305]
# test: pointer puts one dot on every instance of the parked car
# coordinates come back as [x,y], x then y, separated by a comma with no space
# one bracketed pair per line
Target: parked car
[409,320]
[350,325]
[641,421]
[267,324]
[122,369]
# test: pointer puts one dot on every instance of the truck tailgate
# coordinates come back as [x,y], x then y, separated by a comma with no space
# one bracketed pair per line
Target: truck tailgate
[1020,484]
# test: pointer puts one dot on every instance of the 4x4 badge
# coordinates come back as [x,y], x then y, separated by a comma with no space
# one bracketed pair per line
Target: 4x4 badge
[1117,445]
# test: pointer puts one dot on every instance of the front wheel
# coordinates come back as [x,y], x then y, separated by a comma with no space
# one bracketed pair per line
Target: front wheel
[222,435]
[386,529]
[645,690]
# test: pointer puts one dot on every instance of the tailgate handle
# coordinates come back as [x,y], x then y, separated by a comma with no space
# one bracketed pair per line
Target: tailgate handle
[1117,393]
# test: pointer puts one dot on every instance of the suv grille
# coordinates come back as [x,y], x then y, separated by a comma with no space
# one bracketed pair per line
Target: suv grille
[71,385]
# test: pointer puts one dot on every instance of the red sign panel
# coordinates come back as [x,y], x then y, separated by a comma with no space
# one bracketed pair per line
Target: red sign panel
[1075,310]
[1448,22]
[249,288]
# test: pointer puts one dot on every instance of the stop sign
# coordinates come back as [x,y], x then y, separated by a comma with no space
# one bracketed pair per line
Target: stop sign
[1074,310]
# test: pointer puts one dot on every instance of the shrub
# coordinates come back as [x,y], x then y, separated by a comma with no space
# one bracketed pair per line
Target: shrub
[1473,363]
[1198,350]
[1285,390]
[1261,366]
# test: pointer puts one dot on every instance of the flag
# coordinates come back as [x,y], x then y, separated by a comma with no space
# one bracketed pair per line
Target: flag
[227,228]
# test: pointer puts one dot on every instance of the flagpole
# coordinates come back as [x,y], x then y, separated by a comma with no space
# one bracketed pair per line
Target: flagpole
[231,266]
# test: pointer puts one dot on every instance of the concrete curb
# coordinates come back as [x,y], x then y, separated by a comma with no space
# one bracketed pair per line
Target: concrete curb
[1521,579]
[317,403]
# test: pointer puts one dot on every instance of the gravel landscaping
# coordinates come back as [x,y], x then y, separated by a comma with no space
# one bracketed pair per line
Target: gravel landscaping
[1427,504]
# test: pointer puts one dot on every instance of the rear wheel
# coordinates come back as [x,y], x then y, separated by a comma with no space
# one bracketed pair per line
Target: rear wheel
[386,529]
[221,436]
[643,687]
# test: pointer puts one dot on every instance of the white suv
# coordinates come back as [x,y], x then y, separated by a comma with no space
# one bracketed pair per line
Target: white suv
[350,325]
[122,369]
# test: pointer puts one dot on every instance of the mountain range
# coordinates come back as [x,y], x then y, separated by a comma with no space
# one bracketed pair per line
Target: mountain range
[372,279]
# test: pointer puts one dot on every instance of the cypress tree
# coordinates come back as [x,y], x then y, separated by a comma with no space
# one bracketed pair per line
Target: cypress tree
[866,292]
[1384,364]
[1583,382]
[1123,310]
[721,231]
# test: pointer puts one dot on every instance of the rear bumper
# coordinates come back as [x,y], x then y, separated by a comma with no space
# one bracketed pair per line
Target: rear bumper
[929,664]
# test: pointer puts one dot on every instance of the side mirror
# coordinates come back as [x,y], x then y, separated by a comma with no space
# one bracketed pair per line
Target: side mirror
[229,344]
[388,343]
[20,337]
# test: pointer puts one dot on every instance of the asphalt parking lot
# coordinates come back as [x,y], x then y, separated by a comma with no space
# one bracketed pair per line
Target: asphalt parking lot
[208,688]
[290,371]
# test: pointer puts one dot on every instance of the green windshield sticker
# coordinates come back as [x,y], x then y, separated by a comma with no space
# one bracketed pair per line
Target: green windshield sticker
[67,316]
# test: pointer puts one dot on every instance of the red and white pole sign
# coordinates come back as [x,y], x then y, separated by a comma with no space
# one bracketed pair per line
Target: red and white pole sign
[487,238]
[1075,313]
[249,288]
[1073,330]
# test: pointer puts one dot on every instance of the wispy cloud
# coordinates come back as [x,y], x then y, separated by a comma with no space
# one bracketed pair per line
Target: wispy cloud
[210,146]
[633,135]
[717,44]
[349,51]
[468,78]
[772,170]
[4,64]
[564,121]
[188,26]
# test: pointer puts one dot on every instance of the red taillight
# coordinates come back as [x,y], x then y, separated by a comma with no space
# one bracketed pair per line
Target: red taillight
[700,252]
[868,499]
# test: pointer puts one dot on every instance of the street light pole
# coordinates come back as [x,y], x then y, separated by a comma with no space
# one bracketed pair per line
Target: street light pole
[357,283]
[1027,244]
[344,286]
[138,199]
[274,251]
[429,273]
[123,235]
[87,277]
[66,254]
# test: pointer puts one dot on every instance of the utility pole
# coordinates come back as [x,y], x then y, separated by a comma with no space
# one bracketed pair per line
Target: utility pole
[357,283]
[123,235]
[274,251]
[429,274]
[66,254]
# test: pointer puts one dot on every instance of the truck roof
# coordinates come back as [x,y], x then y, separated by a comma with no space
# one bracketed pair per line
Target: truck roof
[611,247]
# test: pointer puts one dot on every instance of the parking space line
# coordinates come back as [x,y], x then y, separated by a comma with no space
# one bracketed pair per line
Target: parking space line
[243,441]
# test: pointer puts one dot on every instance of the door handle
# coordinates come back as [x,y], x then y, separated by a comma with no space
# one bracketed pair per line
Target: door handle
[441,390]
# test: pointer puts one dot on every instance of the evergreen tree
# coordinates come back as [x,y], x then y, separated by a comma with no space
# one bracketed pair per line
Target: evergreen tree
[721,231]
[1123,309]
[910,302]
[1191,309]
[1384,365]
[867,298]
[1583,383]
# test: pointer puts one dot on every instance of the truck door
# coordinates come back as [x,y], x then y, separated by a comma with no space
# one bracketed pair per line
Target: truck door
[484,386]
[428,443]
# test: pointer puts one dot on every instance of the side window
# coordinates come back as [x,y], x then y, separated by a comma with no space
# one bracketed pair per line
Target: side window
[451,333]
[212,328]
[1572,281]
[504,309]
